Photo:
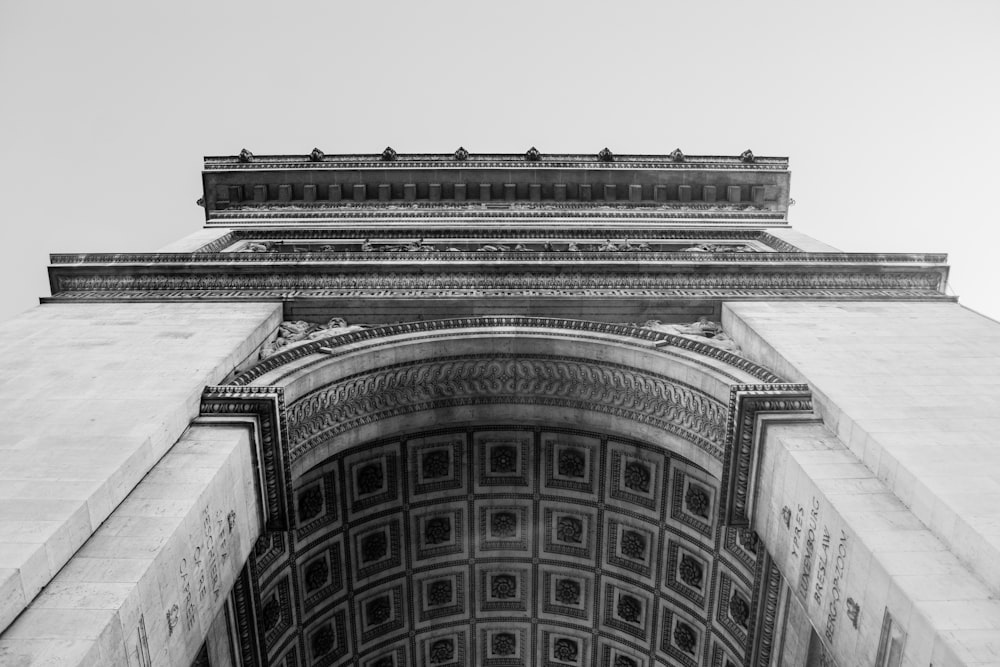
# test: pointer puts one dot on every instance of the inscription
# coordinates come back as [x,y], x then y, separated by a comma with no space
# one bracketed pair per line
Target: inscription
[173,618]
[807,554]
[821,561]
[201,572]
[853,609]
[797,533]
[838,574]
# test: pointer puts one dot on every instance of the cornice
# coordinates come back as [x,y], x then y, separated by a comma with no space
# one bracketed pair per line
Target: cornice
[545,280]
[634,212]
[484,232]
[491,161]
[320,186]
[340,258]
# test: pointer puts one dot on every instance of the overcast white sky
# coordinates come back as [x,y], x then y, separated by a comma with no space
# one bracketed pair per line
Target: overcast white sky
[888,110]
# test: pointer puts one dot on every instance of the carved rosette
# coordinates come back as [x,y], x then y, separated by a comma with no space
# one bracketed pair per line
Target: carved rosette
[685,637]
[637,476]
[437,531]
[633,544]
[567,591]
[503,524]
[442,651]
[569,529]
[439,593]
[504,643]
[503,586]
[629,609]
[565,649]
[690,571]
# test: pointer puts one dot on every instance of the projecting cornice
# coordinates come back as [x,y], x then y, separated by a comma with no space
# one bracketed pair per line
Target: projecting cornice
[430,185]
[462,159]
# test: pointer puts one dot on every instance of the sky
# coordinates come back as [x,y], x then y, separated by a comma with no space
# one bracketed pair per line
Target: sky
[887,110]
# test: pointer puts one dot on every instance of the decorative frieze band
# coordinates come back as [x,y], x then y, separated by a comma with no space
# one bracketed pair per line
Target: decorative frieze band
[605,294]
[269,213]
[461,283]
[527,257]
[561,381]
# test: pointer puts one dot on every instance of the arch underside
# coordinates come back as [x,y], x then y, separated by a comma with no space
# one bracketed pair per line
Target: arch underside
[509,544]
[516,492]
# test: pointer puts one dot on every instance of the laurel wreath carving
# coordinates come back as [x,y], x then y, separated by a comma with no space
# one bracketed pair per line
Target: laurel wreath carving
[387,392]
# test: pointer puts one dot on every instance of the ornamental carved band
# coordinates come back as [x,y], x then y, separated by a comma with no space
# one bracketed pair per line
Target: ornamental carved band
[745,404]
[266,405]
[557,381]
[462,281]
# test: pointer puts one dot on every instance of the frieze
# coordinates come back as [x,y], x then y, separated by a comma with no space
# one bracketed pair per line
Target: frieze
[203,296]
[270,257]
[663,234]
[470,283]
[266,213]
[411,387]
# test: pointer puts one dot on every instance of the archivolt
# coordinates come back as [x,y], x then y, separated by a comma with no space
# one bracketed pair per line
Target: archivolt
[461,380]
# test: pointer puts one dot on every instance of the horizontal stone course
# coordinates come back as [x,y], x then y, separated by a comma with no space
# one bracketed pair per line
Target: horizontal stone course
[92,396]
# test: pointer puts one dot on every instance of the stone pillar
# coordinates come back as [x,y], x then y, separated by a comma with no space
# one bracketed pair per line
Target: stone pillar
[93,395]
[884,518]
[150,583]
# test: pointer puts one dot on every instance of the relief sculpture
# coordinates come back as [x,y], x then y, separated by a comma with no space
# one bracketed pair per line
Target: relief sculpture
[295,332]
[704,330]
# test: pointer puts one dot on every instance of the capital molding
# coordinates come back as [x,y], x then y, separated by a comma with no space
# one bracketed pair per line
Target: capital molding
[266,405]
[746,404]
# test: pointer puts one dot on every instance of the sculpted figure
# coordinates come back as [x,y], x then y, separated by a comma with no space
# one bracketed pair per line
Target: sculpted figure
[607,246]
[635,247]
[704,330]
[367,246]
[718,247]
[420,246]
[572,247]
[296,332]
[289,332]
[520,247]
[492,248]
[548,247]
[257,246]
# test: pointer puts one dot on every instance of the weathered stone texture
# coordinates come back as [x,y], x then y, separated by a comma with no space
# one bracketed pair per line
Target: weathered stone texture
[911,391]
[145,588]
[92,396]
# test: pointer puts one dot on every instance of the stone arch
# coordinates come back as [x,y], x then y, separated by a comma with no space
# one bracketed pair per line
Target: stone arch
[346,421]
